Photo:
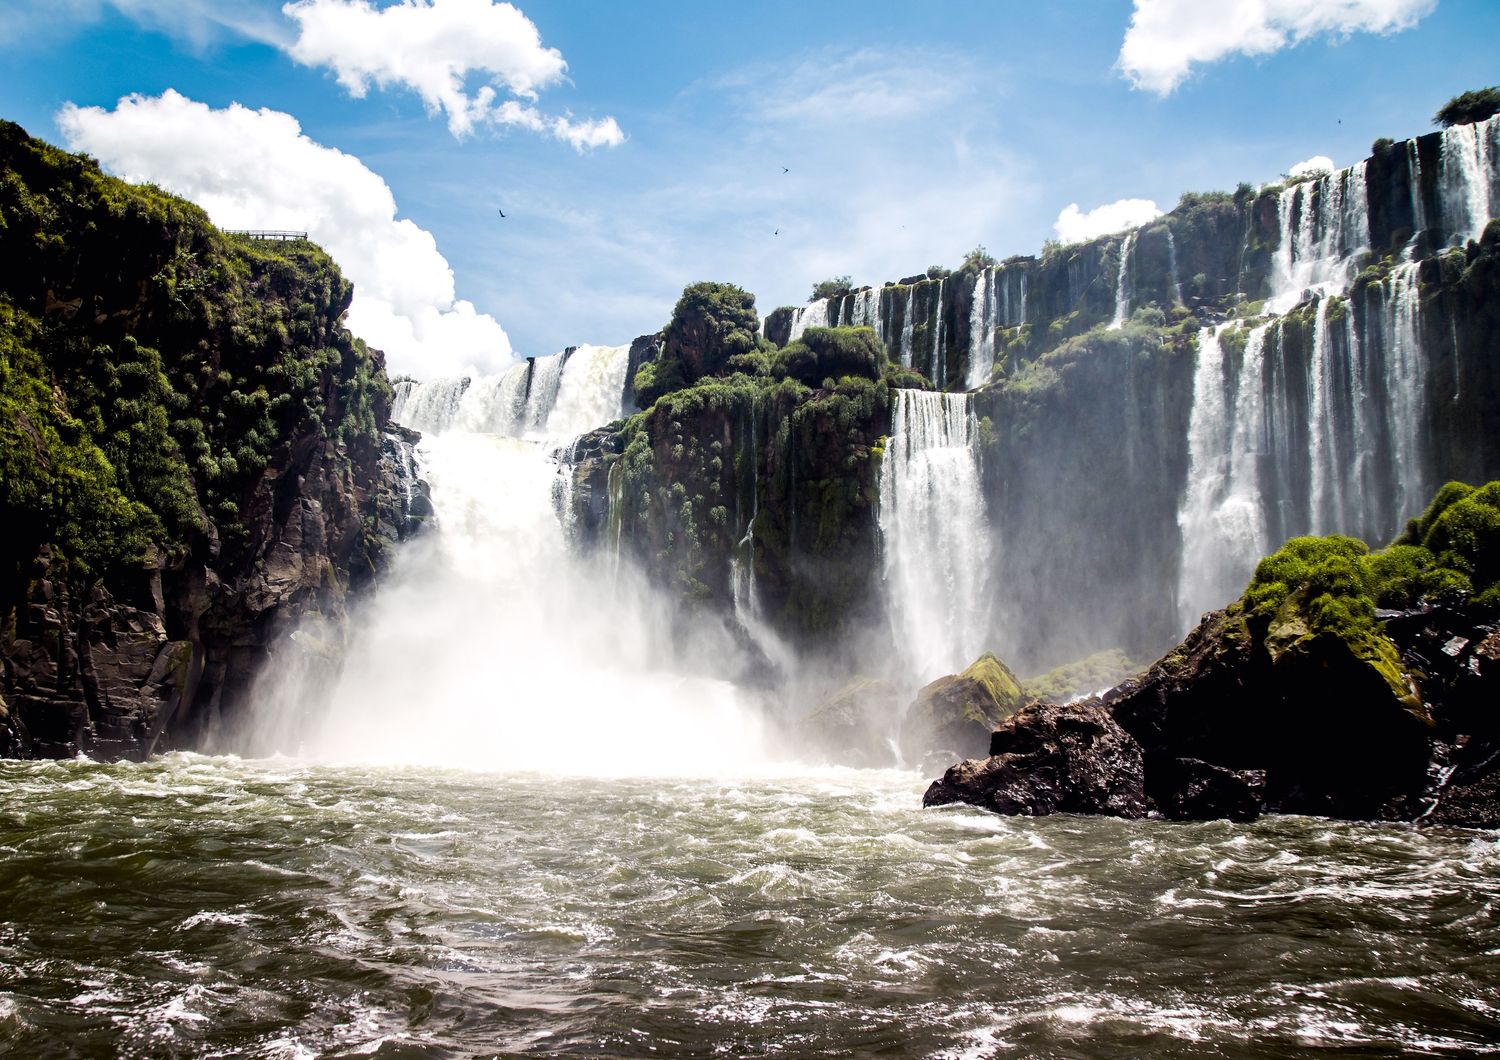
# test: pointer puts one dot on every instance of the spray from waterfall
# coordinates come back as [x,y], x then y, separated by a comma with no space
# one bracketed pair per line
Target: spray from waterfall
[495,644]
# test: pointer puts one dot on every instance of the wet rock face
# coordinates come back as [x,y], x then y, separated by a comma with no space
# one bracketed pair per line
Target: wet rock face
[157,660]
[1328,730]
[1052,759]
[1190,789]
[851,726]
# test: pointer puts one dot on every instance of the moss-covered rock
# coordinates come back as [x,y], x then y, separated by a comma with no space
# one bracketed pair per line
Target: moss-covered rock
[1091,674]
[854,725]
[957,713]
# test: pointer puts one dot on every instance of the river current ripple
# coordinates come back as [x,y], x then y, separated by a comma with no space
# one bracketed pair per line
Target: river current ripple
[195,906]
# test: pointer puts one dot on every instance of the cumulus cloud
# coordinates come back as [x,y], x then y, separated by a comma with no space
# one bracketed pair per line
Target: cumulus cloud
[433,47]
[1075,226]
[1310,166]
[1166,37]
[256,169]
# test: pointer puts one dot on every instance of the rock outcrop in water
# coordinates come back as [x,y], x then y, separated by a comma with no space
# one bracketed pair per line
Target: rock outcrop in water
[958,713]
[1303,696]
[1051,759]
[195,457]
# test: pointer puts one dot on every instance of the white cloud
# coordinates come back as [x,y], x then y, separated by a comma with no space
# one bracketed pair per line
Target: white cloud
[433,47]
[1315,164]
[255,169]
[1166,37]
[1075,226]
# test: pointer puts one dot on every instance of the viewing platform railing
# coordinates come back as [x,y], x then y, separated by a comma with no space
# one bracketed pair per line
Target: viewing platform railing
[274,237]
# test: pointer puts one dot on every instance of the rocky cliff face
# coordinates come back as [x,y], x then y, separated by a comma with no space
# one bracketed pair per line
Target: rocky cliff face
[197,456]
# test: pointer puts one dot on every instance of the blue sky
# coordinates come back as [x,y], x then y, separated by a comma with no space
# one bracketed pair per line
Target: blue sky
[911,132]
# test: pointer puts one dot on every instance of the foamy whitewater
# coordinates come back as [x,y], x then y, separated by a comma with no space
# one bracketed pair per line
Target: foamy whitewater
[494,644]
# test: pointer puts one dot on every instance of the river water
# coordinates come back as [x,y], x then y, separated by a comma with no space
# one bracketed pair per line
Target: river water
[215,906]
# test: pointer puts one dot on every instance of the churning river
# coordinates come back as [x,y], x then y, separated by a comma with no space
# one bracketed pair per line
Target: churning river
[194,906]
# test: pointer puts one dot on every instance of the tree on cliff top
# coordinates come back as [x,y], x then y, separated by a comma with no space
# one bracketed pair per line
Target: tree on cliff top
[1469,107]
[836,287]
[711,323]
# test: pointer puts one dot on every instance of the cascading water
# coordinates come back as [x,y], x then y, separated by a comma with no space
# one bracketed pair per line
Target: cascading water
[1324,225]
[939,372]
[1176,285]
[982,329]
[1327,472]
[934,534]
[1222,519]
[1406,386]
[908,323]
[1468,180]
[493,644]
[812,315]
[429,406]
[1122,283]
[591,387]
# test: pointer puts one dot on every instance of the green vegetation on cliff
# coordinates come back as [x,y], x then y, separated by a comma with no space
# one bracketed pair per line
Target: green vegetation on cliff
[152,368]
[1469,107]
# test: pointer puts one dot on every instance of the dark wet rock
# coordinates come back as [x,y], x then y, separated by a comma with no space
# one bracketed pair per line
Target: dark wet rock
[1190,789]
[957,713]
[1335,731]
[1052,759]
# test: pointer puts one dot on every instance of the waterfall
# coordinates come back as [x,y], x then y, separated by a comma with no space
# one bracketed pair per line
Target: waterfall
[1176,285]
[1467,178]
[1324,227]
[1418,201]
[934,534]
[1222,518]
[1326,474]
[548,397]
[865,311]
[939,375]
[1405,376]
[812,315]
[590,392]
[907,324]
[497,404]
[494,644]
[428,406]
[982,321]
[1122,283]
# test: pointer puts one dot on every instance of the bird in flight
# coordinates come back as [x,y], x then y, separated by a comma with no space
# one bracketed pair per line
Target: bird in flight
[777,232]
[502,213]
[785,170]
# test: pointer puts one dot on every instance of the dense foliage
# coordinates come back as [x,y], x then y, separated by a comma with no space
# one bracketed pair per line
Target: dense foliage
[836,287]
[152,368]
[1469,107]
[711,323]
[1450,556]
